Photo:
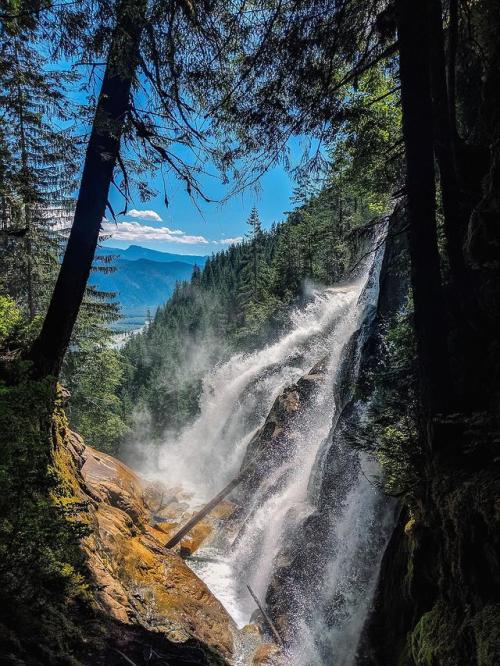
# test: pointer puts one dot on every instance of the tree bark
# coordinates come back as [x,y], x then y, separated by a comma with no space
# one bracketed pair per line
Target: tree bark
[268,620]
[454,216]
[430,321]
[451,69]
[48,350]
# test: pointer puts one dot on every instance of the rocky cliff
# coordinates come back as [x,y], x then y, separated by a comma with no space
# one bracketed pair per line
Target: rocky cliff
[149,601]
[436,602]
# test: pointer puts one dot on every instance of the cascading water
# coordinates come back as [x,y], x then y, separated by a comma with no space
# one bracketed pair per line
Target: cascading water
[238,395]
[310,531]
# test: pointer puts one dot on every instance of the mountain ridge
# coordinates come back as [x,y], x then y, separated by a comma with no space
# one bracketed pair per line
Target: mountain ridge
[140,285]
[135,252]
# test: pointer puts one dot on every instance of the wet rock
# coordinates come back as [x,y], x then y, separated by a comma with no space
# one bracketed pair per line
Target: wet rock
[137,580]
[251,630]
[274,442]
[268,654]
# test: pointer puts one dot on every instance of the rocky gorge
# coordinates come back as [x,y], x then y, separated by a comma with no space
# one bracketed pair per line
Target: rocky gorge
[154,598]
[339,565]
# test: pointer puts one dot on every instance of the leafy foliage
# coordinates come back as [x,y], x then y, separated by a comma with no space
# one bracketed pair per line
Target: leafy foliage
[41,566]
[95,410]
[10,318]
[390,428]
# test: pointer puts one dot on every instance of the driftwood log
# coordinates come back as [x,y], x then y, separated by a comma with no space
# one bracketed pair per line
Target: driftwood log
[178,536]
[268,620]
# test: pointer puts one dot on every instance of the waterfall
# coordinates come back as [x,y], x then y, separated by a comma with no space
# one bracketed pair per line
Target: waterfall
[238,395]
[312,525]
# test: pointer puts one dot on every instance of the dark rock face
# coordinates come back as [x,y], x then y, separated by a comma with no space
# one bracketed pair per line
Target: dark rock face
[437,601]
[438,595]
[273,443]
[135,644]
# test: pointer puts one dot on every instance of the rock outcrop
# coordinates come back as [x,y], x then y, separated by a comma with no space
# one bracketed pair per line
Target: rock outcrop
[274,442]
[138,584]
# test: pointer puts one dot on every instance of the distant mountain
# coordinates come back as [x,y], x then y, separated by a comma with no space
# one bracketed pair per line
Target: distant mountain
[137,252]
[141,285]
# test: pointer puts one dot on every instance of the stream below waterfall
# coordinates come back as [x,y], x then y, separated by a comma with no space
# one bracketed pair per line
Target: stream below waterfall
[309,534]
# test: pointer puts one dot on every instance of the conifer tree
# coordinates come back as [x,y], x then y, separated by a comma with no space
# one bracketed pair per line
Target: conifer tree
[37,189]
[251,274]
[36,175]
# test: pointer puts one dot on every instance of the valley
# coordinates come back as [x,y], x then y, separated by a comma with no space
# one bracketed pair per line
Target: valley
[141,280]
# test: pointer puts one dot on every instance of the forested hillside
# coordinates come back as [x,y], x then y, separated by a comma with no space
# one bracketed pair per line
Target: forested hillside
[239,301]
[241,298]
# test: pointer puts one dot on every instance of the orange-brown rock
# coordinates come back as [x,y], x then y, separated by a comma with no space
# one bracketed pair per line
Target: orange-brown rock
[198,535]
[178,514]
[139,581]
[251,630]
[268,654]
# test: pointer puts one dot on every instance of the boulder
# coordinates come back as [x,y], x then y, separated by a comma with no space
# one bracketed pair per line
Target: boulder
[268,654]
[137,580]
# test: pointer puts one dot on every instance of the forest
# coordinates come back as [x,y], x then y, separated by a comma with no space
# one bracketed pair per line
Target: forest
[295,461]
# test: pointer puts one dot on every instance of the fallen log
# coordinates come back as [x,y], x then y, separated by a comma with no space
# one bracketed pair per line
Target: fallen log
[178,536]
[268,620]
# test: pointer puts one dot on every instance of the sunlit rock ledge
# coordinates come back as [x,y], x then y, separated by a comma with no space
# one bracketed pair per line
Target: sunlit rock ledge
[135,581]
[138,581]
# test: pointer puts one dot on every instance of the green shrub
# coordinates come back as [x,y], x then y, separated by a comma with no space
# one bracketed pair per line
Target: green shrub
[10,319]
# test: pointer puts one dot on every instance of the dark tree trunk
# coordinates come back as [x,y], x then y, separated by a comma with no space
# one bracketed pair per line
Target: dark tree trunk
[430,326]
[452,69]
[456,209]
[48,350]
[444,141]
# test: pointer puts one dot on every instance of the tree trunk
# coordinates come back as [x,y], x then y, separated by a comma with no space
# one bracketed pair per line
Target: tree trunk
[266,617]
[48,350]
[199,515]
[454,221]
[430,326]
[452,70]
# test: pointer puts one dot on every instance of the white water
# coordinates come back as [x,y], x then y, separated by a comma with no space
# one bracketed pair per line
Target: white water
[238,395]
[236,399]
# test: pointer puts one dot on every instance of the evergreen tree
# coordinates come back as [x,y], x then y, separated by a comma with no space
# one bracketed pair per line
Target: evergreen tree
[251,273]
[37,178]
[37,172]
[95,410]
[196,276]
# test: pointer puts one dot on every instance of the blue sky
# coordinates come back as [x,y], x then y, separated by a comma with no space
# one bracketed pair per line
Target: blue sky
[202,228]
[184,229]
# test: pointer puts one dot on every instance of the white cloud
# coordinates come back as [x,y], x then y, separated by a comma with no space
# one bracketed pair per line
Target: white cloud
[229,241]
[126,230]
[144,215]
[133,231]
